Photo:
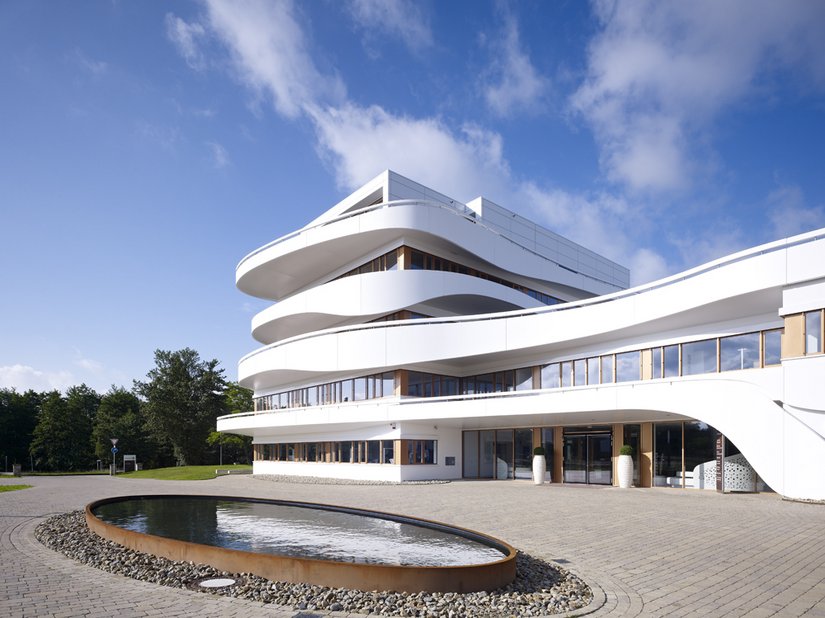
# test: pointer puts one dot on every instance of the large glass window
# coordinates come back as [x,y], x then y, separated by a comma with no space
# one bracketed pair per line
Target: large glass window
[579,372]
[547,442]
[667,459]
[470,455]
[504,454]
[700,452]
[593,370]
[360,389]
[772,346]
[607,369]
[657,371]
[567,374]
[524,379]
[388,454]
[632,436]
[739,352]
[627,366]
[671,356]
[421,451]
[813,332]
[699,357]
[374,451]
[487,444]
[346,452]
[524,453]
[550,376]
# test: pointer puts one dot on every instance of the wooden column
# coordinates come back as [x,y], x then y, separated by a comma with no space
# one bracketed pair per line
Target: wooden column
[793,341]
[646,456]
[558,454]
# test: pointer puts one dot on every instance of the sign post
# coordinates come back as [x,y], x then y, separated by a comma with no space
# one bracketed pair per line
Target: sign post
[113,471]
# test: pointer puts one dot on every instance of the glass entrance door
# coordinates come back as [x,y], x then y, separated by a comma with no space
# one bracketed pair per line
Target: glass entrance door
[588,458]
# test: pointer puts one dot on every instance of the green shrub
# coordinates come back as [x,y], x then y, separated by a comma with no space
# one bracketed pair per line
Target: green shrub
[539,450]
[626,450]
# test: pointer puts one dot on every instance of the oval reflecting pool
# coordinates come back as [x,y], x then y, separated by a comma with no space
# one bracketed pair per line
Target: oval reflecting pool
[295,541]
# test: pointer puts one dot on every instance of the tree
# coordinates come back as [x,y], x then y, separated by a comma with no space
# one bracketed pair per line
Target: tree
[183,396]
[234,447]
[61,440]
[18,418]
[120,416]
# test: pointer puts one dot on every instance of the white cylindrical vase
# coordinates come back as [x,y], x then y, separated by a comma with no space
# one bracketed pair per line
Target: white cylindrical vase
[539,466]
[625,470]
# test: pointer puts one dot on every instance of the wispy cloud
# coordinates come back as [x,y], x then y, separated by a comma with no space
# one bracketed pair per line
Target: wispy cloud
[187,37]
[220,157]
[512,83]
[167,137]
[660,73]
[95,67]
[25,377]
[789,213]
[396,19]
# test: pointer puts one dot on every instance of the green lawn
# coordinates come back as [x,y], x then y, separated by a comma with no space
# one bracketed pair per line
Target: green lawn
[12,487]
[182,473]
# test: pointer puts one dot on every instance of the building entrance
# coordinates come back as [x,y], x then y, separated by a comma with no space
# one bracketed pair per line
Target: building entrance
[588,456]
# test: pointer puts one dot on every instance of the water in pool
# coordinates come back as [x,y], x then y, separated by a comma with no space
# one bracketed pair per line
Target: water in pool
[298,531]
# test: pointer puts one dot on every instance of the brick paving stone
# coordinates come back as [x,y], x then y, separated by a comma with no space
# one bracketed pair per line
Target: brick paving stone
[645,552]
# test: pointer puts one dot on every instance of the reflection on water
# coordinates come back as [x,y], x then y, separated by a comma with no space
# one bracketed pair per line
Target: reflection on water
[295,531]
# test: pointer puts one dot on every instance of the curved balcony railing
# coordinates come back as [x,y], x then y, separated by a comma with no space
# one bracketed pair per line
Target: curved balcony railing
[769,248]
[463,212]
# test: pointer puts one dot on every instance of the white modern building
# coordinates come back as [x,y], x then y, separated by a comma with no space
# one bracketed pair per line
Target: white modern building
[416,337]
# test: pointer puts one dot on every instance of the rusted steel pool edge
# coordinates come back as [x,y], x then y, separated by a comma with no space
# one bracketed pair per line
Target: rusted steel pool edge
[334,574]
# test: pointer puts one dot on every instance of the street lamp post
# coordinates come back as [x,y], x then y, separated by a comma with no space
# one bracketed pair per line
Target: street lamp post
[114,456]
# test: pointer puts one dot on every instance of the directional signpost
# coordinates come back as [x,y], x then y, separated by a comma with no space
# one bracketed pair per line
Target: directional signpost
[114,456]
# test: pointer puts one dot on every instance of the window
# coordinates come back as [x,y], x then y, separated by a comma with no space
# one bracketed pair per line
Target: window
[813,332]
[628,367]
[593,370]
[699,357]
[550,376]
[421,451]
[739,352]
[671,367]
[772,346]
[388,451]
[374,451]
[607,369]
[656,362]
[524,379]
[567,374]
[579,372]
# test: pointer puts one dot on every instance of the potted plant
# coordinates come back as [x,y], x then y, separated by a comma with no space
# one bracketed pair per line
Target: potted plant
[625,466]
[539,465]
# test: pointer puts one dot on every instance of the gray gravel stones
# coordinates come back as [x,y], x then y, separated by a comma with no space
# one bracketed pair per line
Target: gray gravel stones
[539,589]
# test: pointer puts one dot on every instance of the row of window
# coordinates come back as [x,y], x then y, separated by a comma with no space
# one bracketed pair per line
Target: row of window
[731,353]
[419,260]
[404,314]
[413,452]
[353,389]
[747,351]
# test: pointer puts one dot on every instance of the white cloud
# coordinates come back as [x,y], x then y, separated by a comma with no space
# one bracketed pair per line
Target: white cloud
[393,18]
[512,83]
[24,377]
[362,142]
[270,53]
[187,38]
[95,67]
[789,215]
[600,221]
[659,73]
[220,157]
[167,137]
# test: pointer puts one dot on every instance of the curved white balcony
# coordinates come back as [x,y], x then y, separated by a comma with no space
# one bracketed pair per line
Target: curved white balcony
[723,297]
[361,298]
[298,260]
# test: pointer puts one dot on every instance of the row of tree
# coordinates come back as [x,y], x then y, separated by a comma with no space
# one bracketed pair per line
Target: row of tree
[167,419]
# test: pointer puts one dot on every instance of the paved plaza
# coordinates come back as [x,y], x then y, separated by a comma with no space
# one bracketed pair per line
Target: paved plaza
[645,552]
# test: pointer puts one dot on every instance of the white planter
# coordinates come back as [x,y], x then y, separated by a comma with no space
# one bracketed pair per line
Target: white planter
[539,466]
[625,470]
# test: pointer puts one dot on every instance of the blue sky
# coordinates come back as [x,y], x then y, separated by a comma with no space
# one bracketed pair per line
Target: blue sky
[146,147]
